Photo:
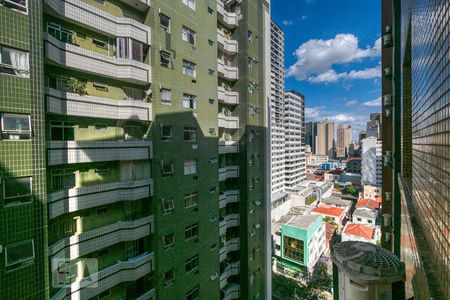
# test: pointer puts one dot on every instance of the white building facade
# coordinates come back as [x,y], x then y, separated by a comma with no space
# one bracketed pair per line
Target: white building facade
[371,161]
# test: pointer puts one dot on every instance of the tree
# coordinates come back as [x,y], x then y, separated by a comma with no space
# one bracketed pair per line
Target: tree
[350,190]
[330,221]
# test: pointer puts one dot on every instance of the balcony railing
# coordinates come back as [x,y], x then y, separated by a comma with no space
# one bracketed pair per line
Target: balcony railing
[72,104]
[231,245]
[228,222]
[87,242]
[229,45]
[226,17]
[99,20]
[228,197]
[226,147]
[123,271]
[231,291]
[75,199]
[230,270]
[228,97]
[230,122]
[78,58]
[228,172]
[74,152]
[19,5]
[226,71]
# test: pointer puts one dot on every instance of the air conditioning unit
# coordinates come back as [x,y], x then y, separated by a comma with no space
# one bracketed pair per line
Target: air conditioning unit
[387,158]
[387,29]
[387,40]
[388,196]
[388,71]
[387,99]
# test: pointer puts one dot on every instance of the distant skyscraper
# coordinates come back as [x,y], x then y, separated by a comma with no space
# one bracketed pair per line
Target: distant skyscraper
[343,140]
[362,135]
[373,126]
[325,138]
[371,160]
[310,135]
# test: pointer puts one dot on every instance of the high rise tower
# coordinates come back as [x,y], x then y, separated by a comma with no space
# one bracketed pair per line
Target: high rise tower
[325,138]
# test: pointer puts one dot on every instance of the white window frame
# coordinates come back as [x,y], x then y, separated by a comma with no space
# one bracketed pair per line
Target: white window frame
[22,72]
[189,101]
[189,197]
[15,133]
[190,3]
[190,167]
[189,68]
[163,136]
[190,228]
[188,35]
[164,173]
[164,241]
[166,29]
[168,205]
[17,5]
[166,92]
[189,261]
[22,260]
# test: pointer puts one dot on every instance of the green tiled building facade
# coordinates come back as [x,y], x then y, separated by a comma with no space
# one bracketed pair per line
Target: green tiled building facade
[133,149]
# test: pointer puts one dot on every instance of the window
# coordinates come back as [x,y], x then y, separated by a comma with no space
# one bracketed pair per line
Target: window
[164,22]
[190,199]
[190,3]
[190,167]
[130,93]
[193,294]
[165,59]
[191,264]
[166,96]
[57,83]
[167,168]
[168,240]
[19,252]
[250,36]
[15,127]
[168,206]
[132,132]
[359,219]
[166,132]
[100,86]
[100,43]
[369,221]
[128,48]
[14,62]
[190,134]
[191,231]
[62,179]
[188,35]
[189,68]
[189,101]
[137,53]
[62,131]
[60,33]
[293,249]
[169,277]
[19,5]
[17,190]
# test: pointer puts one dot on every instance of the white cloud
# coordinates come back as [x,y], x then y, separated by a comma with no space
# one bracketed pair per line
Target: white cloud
[313,112]
[287,22]
[351,102]
[332,76]
[373,103]
[316,57]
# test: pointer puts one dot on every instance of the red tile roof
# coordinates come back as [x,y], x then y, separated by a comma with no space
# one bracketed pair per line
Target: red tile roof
[378,199]
[368,203]
[329,230]
[330,211]
[359,230]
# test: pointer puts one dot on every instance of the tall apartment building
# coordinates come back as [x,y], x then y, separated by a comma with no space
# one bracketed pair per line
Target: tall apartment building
[344,137]
[325,138]
[277,121]
[133,149]
[294,116]
[416,142]
[371,161]
[373,126]
[311,135]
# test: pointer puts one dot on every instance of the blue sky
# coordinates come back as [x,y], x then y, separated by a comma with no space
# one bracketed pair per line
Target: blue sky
[332,56]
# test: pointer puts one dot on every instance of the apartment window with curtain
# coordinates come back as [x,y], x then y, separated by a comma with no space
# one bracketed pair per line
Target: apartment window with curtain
[189,101]
[188,35]
[190,3]
[19,5]
[128,48]
[14,62]
[166,96]
[15,127]
[189,68]
[190,167]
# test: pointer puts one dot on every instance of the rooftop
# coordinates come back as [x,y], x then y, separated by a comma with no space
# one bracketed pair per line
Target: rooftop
[365,213]
[299,221]
[335,200]
[330,211]
[369,203]
[359,230]
[336,171]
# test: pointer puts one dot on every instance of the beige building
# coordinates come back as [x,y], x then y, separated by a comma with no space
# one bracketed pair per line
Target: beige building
[343,140]
[325,138]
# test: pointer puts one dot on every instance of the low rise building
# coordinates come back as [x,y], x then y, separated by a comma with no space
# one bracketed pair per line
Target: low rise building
[368,203]
[299,242]
[333,175]
[371,191]
[361,232]
[336,214]
[336,201]
[365,216]
[353,165]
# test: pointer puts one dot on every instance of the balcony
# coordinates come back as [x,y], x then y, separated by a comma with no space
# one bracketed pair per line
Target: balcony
[75,199]
[230,122]
[123,271]
[226,147]
[228,222]
[71,104]
[74,152]
[99,20]
[230,270]
[227,18]
[228,172]
[228,197]
[228,97]
[230,46]
[78,58]
[150,295]
[231,245]
[226,71]
[231,291]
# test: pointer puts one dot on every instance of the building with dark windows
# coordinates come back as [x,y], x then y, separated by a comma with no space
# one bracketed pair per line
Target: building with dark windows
[416,142]
[133,149]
